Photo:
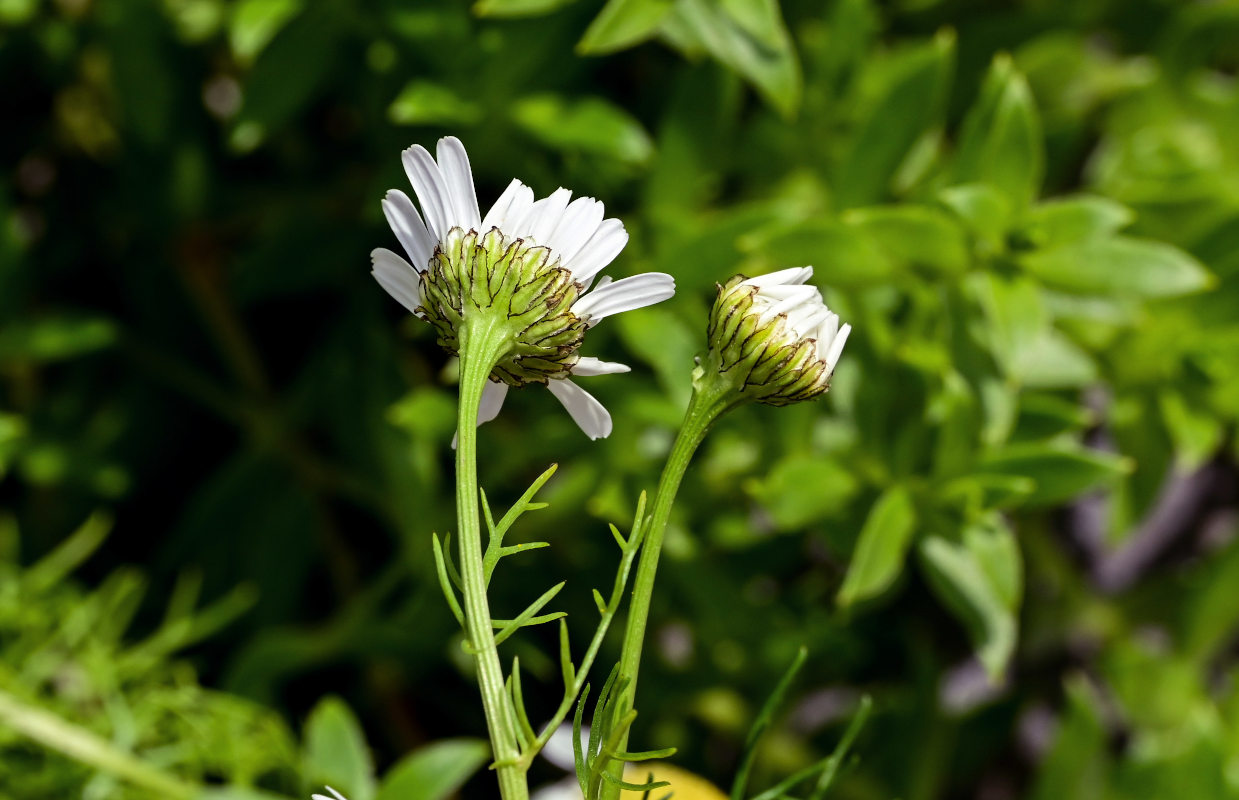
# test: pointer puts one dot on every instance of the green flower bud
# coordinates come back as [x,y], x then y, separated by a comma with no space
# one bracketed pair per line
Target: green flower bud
[774,338]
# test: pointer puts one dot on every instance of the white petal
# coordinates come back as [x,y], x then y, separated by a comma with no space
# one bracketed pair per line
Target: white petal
[584,409]
[578,222]
[624,295]
[836,347]
[493,395]
[600,250]
[458,178]
[588,366]
[784,277]
[430,189]
[825,336]
[409,228]
[398,277]
[550,214]
[805,298]
[512,204]
[804,320]
[334,794]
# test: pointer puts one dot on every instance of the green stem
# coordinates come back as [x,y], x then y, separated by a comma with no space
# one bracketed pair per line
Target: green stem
[482,344]
[712,397]
[82,745]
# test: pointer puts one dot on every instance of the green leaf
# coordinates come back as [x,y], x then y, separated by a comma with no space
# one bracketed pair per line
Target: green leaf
[1015,311]
[881,548]
[1074,219]
[1052,361]
[336,752]
[291,69]
[255,22]
[980,581]
[909,102]
[1061,471]
[1001,142]
[621,24]
[1077,765]
[803,489]
[55,337]
[1120,266]
[591,125]
[436,771]
[843,255]
[749,37]
[423,102]
[914,234]
[984,210]
[517,8]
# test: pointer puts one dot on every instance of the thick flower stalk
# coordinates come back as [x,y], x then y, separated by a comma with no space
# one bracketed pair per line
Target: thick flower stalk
[771,339]
[513,295]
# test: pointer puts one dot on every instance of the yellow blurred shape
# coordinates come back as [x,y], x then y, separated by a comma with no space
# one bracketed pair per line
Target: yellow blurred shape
[686,785]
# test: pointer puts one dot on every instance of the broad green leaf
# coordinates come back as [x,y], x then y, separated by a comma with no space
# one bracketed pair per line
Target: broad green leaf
[881,548]
[802,489]
[915,234]
[984,210]
[1001,142]
[909,102]
[980,581]
[141,66]
[1052,361]
[291,69]
[840,254]
[591,125]
[436,771]
[255,22]
[1016,314]
[1076,766]
[666,342]
[1196,432]
[423,102]
[1045,415]
[55,338]
[336,752]
[749,37]
[1061,471]
[517,8]
[1120,266]
[621,24]
[1074,219]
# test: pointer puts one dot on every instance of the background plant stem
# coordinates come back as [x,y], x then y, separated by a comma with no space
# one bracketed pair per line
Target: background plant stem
[482,344]
[85,746]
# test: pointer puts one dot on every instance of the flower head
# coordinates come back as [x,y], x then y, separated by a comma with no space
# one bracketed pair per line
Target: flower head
[775,336]
[529,265]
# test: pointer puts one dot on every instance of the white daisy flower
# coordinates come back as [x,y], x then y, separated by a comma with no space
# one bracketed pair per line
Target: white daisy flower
[775,336]
[334,795]
[529,262]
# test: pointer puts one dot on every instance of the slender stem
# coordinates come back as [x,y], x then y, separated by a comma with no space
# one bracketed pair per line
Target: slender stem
[711,399]
[482,345]
[78,743]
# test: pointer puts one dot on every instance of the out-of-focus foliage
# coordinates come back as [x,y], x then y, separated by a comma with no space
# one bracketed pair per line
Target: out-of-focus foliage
[1011,522]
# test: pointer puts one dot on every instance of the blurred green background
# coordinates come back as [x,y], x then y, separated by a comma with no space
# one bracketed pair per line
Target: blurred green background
[223,447]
